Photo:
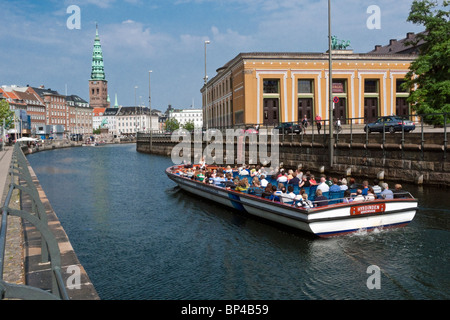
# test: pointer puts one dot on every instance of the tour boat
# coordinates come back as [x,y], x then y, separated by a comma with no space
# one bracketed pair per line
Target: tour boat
[335,218]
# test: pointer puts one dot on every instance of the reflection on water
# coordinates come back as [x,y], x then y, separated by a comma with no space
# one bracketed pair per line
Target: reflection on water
[140,237]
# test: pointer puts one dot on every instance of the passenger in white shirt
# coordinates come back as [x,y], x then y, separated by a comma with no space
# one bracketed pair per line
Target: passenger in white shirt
[263,181]
[323,186]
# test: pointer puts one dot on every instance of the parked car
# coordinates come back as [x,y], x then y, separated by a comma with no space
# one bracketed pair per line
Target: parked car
[251,130]
[289,127]
[391,124]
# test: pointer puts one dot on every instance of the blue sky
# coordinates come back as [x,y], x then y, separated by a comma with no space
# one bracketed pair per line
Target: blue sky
[167,37]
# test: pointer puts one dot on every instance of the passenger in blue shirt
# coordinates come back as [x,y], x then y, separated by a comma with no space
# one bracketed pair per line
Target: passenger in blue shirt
[365,187]
[334,187]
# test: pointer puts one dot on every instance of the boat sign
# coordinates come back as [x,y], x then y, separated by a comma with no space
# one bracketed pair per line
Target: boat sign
[368,208]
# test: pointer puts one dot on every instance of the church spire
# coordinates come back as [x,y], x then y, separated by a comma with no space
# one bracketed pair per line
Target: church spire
[98,70]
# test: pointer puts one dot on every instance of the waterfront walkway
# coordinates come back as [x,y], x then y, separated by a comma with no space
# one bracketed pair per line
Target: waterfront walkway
[23,261]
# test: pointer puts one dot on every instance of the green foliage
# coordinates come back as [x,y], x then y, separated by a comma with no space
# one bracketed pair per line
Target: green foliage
[429,75]
[97,131]
[189,126]
[172,124]
[6,114]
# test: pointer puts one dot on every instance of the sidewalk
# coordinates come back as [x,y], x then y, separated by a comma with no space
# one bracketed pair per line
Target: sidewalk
[13,271]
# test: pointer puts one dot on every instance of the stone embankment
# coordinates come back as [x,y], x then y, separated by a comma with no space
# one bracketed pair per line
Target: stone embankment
[420,158]
[23,261]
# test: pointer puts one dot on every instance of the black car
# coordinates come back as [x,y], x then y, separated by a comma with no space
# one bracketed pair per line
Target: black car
[289,127]
[391,124]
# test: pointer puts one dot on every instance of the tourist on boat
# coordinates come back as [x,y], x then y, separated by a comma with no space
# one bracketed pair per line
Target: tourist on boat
[386,193]
[202,163]
[347,196]
[370,194]
[343,184]
[284,196]
[334,187]
[304,202]
[304,183]
[219,179]
[263,181]
[295,180]
[329,181]
[282,177]
[243,185]
[365,187]
[291,194]
[228,183]
[398,191]
[312,180]
[320,199]
[256,188]
[323,186]
[274,196]
[228,170]
[376,186]
[200,176]
[244,171]
[267,191]
[358,195]
[290,174]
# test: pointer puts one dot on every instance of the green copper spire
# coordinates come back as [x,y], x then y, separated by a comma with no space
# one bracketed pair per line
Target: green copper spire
[116,105]
[98,70]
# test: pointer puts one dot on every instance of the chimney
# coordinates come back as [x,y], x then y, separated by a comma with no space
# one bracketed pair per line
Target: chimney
[392,41]
[377,47]
[410,35]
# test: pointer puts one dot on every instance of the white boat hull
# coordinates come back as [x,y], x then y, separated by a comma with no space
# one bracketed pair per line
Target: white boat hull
[326,221]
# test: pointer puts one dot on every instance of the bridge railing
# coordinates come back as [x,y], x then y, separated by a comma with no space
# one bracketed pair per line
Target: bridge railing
[38,218]
[350,135]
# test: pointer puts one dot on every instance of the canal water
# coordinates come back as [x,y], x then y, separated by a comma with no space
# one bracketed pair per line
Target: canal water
[140,237]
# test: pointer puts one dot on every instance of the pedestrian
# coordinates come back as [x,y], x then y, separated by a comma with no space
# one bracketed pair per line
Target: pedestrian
[318,123]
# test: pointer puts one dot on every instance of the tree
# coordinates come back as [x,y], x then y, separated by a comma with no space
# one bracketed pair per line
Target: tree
[189,126]
[429,77]
[172,124]
[6,114]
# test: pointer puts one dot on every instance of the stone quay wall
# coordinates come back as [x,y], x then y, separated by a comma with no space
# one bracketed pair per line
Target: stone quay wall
[419,158]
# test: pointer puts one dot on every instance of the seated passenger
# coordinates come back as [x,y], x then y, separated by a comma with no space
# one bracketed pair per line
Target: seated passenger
[320,199]
[376,186]
[291,193]
[256,188]
[334,187]
[228,183]
[282,178]
[285,197]
[386,193]
[398,191]
[358,195]
[370,194]
[274,196]
[267,191]
[295,180]
[365,188]
[242,186]
[312,180]
[219,179]
[347,196]
[304,183]
[304,202]
[264,182]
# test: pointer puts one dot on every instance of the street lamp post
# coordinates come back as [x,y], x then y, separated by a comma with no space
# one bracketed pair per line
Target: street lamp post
[330,91]
[150,107]
[135,105]
[206,88]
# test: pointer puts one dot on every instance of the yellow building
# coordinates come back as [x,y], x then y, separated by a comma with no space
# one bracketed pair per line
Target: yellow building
[269,88]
